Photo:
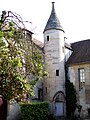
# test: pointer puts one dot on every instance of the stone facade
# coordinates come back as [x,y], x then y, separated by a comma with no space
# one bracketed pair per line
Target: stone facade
[57,53]
[54,60]
[83,94]
[54,85]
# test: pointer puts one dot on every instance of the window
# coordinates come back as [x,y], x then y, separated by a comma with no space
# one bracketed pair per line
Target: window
[46,89]
[57,72]
[47,38]
[63,49]
[81,72]
[40,94]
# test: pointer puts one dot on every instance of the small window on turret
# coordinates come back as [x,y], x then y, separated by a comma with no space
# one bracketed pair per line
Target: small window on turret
[57,72]
[47,38]
[46,89]
[63,49]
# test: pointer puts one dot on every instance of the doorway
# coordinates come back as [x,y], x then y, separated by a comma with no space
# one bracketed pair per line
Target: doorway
[59,102]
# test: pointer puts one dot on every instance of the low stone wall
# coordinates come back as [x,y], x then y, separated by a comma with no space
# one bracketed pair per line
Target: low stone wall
[14,111]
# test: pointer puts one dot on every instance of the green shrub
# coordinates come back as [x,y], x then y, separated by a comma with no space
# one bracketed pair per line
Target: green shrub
[51,117]
[34,111]
[71,100]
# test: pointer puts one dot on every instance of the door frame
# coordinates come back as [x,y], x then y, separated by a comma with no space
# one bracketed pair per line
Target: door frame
[59,97]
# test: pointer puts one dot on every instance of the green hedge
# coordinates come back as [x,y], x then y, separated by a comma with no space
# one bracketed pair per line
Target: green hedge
[34,111]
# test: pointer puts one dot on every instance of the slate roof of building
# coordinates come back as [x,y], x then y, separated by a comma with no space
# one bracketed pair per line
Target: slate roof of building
[53,22]
[28,31]
[38,43]
[68,46]
[81,52]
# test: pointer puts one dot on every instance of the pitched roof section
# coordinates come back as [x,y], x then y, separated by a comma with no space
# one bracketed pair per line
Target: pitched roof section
[53,21]
[81,52]
[38,43]
[68,46]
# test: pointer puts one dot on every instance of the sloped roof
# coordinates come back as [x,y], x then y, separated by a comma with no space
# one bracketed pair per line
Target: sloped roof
[38,43]
[81,52]
[53,22]
[28,31]
[68,46]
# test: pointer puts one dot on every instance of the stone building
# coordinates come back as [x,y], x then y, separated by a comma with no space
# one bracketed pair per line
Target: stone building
[54,85]
[77,61]
[79,72]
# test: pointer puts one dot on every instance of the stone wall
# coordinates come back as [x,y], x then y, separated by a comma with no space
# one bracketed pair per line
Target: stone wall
[54,60]
[14,112]
[83,95]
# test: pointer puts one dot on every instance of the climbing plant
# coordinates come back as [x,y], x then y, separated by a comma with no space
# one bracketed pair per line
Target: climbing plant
[18,58]
[71,100]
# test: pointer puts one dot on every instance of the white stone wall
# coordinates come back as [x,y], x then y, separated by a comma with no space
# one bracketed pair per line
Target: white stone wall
[54,60]
[67,54]
[82,96]
[14,112]
[71,75]
[36,88]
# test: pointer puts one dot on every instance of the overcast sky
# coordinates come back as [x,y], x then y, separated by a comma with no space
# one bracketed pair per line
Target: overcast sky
[74,16]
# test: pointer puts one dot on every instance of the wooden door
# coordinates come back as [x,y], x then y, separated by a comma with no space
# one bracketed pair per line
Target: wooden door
[59,109]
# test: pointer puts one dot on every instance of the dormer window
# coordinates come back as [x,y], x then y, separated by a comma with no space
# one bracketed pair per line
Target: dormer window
[47,38]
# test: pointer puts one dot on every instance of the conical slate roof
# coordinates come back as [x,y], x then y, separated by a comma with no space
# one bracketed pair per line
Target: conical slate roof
[53,21]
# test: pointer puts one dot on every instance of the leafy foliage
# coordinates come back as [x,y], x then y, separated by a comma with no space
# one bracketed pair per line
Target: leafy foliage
[34,111]
[18,58]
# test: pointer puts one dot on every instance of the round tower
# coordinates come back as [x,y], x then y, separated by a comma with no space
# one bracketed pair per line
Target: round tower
[54,85]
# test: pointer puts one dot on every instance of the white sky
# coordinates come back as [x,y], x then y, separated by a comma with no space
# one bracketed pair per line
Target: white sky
[74,16]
